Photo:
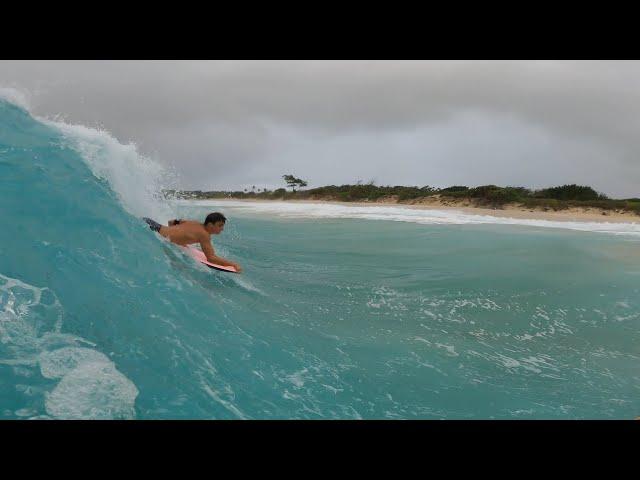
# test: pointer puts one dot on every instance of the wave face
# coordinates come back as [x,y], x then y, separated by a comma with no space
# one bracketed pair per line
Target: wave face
[338,314]
[84,288]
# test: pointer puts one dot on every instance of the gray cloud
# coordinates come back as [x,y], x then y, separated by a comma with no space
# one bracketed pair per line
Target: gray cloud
[230,124]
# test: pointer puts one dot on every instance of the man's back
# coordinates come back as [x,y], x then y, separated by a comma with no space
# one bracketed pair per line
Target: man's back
[187,232]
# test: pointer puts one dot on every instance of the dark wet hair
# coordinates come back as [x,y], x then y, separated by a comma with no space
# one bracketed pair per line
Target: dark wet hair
[214,217]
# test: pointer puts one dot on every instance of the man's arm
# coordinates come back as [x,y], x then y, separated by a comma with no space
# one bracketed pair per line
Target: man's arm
[207,248]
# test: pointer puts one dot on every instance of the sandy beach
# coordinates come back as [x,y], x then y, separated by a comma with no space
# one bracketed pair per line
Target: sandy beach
[509,211]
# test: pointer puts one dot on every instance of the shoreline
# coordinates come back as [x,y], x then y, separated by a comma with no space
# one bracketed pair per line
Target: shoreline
[509,211]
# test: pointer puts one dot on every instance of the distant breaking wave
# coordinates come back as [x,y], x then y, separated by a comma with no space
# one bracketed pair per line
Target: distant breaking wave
[422,216]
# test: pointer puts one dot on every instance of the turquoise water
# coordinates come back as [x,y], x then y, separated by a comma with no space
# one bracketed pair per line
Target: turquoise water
[340,312]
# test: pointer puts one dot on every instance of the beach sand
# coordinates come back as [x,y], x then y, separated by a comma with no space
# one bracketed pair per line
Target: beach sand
[508,211]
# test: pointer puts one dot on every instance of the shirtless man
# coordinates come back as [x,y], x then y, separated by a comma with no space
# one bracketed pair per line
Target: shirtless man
[185,232]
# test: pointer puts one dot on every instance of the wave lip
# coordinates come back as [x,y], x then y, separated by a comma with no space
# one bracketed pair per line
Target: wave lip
[16,97]
[136,180]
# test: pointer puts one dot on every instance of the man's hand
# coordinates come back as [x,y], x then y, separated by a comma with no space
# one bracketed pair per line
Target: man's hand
[237,267]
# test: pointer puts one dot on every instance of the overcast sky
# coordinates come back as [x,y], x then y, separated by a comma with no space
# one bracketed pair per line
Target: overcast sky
[234,124]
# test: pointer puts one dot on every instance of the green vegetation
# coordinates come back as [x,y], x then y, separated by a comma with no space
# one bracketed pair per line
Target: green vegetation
[570,192]
[367,192]
[293,182]
[555,198]
[489,195]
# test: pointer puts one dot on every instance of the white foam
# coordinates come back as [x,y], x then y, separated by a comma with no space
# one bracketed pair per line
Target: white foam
[90,386]
[20,335]
[137,180]
[93,390]
[57,363]
[228,405]
[405,214]
[15,96]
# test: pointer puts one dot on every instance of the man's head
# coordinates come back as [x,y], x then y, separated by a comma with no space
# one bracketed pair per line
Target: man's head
[214,223]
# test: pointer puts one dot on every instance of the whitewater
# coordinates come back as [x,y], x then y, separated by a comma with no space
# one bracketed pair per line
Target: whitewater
[341,312]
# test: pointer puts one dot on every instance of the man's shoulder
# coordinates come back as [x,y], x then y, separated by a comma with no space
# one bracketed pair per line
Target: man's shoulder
[201,233]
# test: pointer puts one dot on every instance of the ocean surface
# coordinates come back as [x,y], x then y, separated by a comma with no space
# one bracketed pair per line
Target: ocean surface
[341,312]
